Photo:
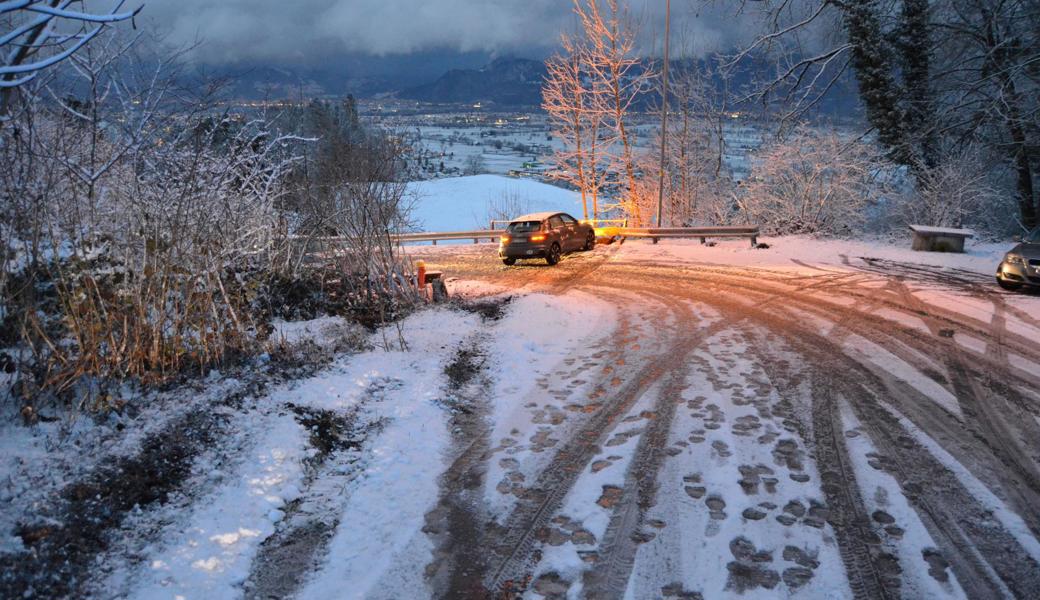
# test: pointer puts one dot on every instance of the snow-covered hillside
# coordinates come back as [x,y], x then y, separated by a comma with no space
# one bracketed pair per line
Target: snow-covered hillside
[464,203]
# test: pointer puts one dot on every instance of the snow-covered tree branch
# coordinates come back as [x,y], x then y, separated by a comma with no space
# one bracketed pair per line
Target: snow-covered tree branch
[44,33]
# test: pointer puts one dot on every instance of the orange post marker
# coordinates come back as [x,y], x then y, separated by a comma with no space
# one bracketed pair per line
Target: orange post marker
[420,276]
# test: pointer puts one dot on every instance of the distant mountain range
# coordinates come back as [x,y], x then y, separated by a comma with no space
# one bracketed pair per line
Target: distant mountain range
[518,82]
[507,82]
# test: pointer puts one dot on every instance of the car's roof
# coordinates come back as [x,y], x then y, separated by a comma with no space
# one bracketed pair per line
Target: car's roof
[538,216]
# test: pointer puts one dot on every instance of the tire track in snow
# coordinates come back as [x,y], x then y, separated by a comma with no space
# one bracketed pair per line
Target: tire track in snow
[848,516]
[618,546]
[984,537]
[546,496]
[984,555]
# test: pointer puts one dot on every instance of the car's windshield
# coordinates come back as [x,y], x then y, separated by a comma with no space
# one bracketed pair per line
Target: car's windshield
[524,226]
[1034,236]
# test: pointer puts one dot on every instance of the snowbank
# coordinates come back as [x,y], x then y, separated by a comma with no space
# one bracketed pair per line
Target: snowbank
[981,258]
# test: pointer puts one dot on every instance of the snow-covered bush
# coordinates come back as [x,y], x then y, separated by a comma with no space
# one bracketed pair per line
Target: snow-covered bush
[134,216]
[155,233]
[148,287]
[813,182]
[959,191]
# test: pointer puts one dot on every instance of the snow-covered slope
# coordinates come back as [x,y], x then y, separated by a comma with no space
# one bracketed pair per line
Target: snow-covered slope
[464,203]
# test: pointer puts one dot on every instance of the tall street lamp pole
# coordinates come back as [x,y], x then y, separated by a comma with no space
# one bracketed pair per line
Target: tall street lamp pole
[664,109]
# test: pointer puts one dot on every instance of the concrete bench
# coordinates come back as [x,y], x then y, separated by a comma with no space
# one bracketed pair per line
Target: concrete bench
[939,239]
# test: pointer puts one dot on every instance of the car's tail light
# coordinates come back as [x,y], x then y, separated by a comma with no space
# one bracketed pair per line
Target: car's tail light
[538,237]
[504,239]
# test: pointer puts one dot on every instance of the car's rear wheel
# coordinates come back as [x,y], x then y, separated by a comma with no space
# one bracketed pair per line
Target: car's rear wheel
[590,241]
[509,261]
[552,256]
[1008,285]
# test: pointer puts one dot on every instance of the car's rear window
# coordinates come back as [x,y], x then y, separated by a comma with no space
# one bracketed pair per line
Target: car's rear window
[524,226]
[1034,238]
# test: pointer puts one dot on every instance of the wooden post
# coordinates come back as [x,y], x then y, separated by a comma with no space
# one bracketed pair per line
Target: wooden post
[440,290]
[420,276]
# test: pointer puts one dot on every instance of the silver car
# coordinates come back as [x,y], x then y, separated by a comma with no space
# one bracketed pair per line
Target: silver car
[1021,266]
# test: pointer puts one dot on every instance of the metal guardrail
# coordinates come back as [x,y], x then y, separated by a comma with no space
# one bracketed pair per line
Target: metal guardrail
[724,231]
[431,236]
[654,233]
[400,238]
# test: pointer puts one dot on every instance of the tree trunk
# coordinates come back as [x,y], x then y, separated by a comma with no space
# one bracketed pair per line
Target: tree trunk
[872,61]
[915,57]
[1027,205]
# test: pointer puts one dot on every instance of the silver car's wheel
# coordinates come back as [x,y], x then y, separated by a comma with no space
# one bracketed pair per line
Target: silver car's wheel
[1009,286]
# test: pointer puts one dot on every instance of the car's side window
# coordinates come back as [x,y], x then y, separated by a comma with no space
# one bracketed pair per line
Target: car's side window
[569,220]
[555,221]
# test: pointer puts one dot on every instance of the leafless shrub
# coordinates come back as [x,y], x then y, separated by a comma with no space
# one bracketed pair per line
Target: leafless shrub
[508,205]
[349,202]
[136,219]
[813,182]
[957,192]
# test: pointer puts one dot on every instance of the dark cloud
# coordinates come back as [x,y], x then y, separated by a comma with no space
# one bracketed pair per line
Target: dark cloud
[302,31]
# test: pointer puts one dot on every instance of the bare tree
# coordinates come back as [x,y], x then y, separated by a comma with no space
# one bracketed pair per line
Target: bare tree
[609,35]
[572,109]
[989,84]
[36,41]
[474,164]
[697,184]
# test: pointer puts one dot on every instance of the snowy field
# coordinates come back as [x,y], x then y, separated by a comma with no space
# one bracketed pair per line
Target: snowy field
[504,143]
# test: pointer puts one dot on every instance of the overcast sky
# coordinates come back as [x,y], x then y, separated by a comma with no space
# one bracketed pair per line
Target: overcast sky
[309,31]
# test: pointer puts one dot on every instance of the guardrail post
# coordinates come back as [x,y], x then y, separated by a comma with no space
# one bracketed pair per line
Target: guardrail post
[754,241]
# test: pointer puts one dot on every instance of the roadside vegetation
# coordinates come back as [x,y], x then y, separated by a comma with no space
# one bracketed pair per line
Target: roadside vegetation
[149,232]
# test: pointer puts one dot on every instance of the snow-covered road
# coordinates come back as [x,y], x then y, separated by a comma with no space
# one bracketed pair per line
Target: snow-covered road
[641,421]
[782,427]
